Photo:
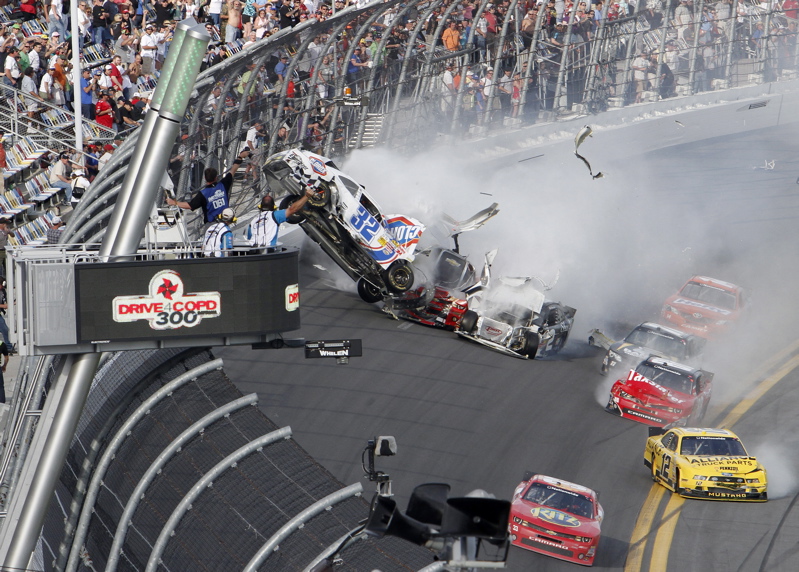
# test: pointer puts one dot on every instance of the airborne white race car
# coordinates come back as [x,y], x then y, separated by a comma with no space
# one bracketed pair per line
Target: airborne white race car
[375,250]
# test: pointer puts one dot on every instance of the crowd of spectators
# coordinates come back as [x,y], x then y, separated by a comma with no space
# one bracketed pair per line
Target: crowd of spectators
[466,36]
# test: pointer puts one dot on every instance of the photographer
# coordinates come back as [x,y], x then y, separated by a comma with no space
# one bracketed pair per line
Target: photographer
[88,84]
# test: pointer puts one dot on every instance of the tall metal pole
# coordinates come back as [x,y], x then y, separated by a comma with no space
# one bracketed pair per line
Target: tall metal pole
[77,92]
[142,148]
[124,242]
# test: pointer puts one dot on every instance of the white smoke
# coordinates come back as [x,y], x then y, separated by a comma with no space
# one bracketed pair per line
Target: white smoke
[781,466]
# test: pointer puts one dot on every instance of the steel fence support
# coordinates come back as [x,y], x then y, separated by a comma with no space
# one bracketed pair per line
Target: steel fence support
[298,521]
[116,442]
[206,481]
[160,462]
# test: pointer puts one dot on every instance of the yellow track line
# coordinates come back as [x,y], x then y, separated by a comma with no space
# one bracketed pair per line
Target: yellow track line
[663,539]
[635,556]
[662,544]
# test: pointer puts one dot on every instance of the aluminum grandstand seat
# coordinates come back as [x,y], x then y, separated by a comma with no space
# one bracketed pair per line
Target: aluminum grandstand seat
[33,28]
[94,55]
[18,201]
[7,209]
[39,189]
[56,118]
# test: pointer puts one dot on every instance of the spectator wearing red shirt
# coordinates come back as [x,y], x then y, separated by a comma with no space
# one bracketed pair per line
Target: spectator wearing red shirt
[103,112]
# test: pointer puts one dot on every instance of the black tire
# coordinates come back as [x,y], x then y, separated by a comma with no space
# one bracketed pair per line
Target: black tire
[297,217]
[469,321]
[677,488]
[368,292]
[399,277]
[654,471]
[321,197]
[530,347]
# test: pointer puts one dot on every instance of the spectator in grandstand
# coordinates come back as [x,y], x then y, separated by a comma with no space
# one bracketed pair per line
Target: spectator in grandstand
[215,11]
[79,184]
[11,74]
[355,70]
[87,87]
[106,157]
[104,111]
[289,12]
[35,60]
[125,45]
[5,232]
[101,20]
[640,72]
[54,232]
[91,161]
[232,32]
[59,178]
[84,24]
[215,196]
[451,38]
[31,92]
[114,69]
[261,23]
[218,239]
[263,229]
[213,101]
[128,118]
[148,48]
[3,164]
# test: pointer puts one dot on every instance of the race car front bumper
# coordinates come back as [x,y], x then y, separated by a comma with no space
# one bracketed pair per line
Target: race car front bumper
[720,493]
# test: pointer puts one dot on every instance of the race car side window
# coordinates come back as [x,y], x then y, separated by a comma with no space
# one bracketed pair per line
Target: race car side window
[670,441]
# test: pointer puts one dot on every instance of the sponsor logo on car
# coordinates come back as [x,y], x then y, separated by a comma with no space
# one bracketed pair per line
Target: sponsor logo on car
[695,304]
[554,516]
[317,166]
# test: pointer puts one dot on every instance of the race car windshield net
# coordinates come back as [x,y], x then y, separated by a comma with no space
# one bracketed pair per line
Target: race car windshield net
[666,378]
[712,446]
[709,295]
[559,499]
[668,345]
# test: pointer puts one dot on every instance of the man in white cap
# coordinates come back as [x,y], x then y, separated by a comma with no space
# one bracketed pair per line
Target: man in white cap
[54,233]
[148,47]
[218,240]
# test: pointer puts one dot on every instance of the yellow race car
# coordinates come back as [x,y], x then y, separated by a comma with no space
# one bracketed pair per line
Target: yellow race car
[704,464]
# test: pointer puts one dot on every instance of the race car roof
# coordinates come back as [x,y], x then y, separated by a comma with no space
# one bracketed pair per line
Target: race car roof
[665,330]
[714,282]
[656,360]
[703,432]
[564,485]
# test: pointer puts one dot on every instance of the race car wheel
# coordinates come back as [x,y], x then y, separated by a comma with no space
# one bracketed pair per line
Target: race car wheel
[399,277]
[286,203]
[368,292]
[469,321]
[654,471]
[321,196]
[677,488]
[530,347]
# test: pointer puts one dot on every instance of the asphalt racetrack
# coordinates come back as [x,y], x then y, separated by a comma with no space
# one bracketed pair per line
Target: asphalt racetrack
[473,418]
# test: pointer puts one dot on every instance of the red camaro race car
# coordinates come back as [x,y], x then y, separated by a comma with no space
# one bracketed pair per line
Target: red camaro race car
[556,518]
[705,306]
[660,392]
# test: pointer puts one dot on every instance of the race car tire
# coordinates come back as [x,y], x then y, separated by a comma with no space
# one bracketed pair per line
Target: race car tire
[677,488]
[368,292]
[321,196]
[654,470]
[297,217]
[530,346]
[399,277]
[469,321]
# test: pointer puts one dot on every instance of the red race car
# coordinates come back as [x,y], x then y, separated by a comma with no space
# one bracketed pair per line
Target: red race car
[705,306]
[660,392]
[556,518]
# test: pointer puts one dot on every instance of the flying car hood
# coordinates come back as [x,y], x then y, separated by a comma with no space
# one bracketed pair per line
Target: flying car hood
[405,230]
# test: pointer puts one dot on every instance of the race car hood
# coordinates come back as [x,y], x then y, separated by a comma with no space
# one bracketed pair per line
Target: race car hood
[555,520]
[732,466]
[689,306]
[647,390]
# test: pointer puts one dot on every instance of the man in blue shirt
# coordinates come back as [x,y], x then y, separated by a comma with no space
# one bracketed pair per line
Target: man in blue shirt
[87,82]
[215,196]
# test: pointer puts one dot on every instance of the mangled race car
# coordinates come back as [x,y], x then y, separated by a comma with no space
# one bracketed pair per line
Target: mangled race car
[514,318]
[375,250]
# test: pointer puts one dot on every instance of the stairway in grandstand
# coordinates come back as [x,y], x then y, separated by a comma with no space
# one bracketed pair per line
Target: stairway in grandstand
[371,132]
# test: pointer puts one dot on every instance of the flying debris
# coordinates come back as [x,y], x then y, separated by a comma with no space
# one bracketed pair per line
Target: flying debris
[489,194]
[767,166]
[679,123]
[584,134]
[533,157]
[320,267]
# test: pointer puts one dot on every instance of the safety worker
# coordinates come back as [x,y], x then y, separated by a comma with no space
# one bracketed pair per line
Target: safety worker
[218,240]
[215,196]
[263,229]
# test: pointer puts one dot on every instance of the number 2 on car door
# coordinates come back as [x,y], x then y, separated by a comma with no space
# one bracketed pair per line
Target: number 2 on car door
[665,466]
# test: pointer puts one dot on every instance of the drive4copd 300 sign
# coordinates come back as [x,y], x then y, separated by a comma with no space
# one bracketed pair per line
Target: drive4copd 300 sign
[167,306]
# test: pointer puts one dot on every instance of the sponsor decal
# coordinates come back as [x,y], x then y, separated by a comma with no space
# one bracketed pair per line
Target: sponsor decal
[722,460]
[635,413]
[493,331]
[554,516]
[727,495]
[317,166]
[406,231]
[292,297]
[167,307]
[547,542]
[695,304]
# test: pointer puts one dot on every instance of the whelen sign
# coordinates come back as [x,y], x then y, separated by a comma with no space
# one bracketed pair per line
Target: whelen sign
[164,303]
